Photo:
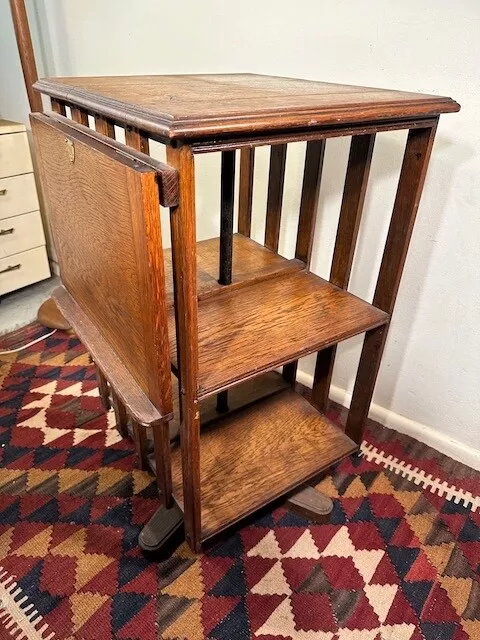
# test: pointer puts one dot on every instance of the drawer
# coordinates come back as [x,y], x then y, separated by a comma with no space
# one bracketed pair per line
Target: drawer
[17,195]
[23,268]
[14,155]
[21,233]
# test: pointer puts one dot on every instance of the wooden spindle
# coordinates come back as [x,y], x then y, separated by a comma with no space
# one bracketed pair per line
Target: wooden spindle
[306,224]
[356,180]
[227,197]
[245,195]
[79,115]
[58,106]
[182,224]
[105,126]
[309,201]
[276,180]
[137,140]
[103,389]
[412,177]
[226,217]
[121,417]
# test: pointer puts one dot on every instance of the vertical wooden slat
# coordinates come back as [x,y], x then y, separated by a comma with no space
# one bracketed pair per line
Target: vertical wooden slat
[306,223]
[412,177]
[58,107]
[276,180]
[245,196]
[135,139]
[182,219]
[79,115]
[121,417]
[309,202]
[104,126]
[27,55]
[103,390]
[356,180]
[226,216]
[141,446]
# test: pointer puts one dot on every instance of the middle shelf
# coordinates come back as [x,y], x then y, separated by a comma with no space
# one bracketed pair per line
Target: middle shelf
[245,331]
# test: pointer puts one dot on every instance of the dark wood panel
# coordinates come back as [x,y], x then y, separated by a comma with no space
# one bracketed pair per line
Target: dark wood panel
[265,325]
[251,263]
[260,466]
[276,180]
[90,189]
[245,196]
[187,106]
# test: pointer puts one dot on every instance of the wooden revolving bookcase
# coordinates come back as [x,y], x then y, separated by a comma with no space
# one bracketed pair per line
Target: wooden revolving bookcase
[225,315]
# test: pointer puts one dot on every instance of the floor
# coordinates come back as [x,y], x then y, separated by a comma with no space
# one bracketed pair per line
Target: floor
[399,559]
[19,308]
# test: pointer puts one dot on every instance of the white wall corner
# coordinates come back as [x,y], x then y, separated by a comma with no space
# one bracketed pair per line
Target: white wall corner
[422,432]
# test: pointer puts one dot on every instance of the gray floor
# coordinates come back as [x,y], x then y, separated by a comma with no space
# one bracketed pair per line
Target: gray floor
[20,307]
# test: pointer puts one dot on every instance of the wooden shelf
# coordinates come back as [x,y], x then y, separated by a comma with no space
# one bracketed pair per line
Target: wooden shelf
[245,464]
[257,328]
[252,262]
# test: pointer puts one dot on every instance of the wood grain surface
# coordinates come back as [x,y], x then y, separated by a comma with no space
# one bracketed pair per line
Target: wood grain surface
[167,176]
[90,190]
[244,464]
[268,324]
[251,263]
[188,106]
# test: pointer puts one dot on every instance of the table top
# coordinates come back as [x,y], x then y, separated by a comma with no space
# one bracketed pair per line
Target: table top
[196,106]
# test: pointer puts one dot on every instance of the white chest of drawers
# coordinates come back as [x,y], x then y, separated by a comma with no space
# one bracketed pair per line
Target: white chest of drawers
[23,256]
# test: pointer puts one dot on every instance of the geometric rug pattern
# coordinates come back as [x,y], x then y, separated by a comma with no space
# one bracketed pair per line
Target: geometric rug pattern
[399,559]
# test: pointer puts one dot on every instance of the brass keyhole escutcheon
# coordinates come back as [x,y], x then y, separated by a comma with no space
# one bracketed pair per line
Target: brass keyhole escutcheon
[70,149]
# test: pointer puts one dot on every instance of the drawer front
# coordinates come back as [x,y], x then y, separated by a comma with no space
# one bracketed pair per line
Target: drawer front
[23,268]
[21,233]
[14,155]
[17,195]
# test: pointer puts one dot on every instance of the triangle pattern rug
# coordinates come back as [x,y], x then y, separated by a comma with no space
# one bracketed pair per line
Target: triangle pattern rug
[399,559]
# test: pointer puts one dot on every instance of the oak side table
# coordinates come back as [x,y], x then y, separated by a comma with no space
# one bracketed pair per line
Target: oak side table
[225,314]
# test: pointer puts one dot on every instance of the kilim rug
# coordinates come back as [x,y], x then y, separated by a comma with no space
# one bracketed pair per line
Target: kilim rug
[399,560]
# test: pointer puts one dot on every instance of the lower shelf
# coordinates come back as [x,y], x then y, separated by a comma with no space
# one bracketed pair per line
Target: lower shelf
[258,454]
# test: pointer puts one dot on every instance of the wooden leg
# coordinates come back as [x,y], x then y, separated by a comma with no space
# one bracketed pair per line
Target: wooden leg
[103,389]
[141,445]
[121,417]
[182,223]
[365,382]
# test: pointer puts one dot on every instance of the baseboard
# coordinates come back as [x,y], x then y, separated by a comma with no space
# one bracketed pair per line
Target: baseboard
[422,432]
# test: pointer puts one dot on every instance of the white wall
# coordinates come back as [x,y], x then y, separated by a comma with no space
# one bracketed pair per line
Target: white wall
[430,371]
